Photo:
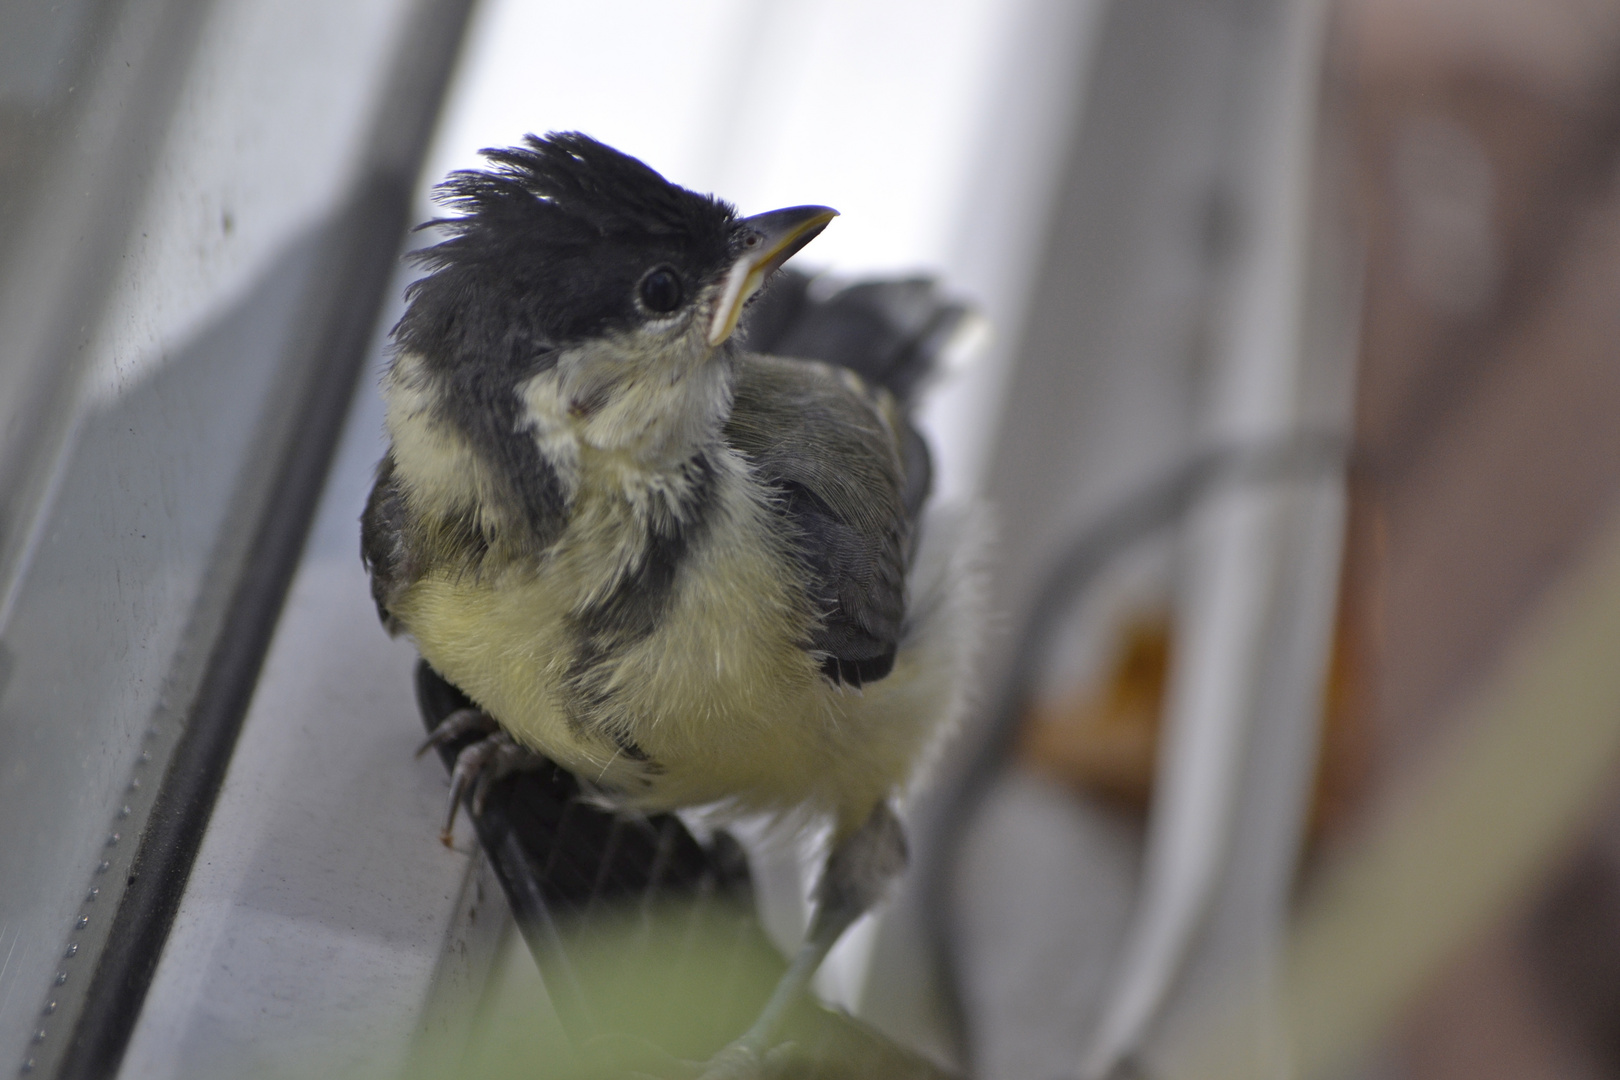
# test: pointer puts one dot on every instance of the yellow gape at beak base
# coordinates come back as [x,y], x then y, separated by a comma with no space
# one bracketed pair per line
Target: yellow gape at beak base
[771,240]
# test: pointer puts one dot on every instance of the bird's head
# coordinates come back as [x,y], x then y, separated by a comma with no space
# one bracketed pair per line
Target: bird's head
[564,243]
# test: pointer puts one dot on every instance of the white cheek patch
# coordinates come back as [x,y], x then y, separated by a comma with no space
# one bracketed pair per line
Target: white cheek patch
[439,467]
[442,471]
[546,405]
[654,394]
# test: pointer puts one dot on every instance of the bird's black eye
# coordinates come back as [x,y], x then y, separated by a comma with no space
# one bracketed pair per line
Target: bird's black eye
[661,290]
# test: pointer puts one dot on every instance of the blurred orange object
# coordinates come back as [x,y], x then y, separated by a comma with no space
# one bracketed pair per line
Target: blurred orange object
[1104,738]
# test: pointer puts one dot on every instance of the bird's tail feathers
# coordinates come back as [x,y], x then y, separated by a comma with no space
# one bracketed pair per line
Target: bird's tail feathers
[894,333]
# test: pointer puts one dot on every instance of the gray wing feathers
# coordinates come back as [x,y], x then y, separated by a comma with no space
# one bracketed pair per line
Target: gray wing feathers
[384,545]
[830,447]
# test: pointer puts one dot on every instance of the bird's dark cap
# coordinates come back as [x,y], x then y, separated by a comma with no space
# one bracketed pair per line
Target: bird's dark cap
[569,179]
[547,246]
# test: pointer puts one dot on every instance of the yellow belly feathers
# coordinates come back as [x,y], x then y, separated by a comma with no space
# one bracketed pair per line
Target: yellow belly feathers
[726,704]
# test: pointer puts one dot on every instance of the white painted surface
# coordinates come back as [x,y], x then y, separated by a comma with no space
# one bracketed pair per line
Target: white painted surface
[263,145]
[1232,688]
[197,240]
[1045,882]
[321,900]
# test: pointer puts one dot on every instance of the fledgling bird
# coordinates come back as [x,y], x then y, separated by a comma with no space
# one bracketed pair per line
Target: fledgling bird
[692,575]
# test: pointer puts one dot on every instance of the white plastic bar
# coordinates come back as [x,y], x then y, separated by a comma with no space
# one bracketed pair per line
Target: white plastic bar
[1237,583]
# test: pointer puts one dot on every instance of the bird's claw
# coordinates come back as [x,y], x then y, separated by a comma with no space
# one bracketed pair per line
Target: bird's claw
[458,725]
[479,766]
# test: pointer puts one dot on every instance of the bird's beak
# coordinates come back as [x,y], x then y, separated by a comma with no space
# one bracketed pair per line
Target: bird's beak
[769,240]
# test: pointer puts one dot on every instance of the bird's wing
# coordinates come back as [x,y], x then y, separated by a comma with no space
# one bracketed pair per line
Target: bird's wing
[385,541]
[835,451]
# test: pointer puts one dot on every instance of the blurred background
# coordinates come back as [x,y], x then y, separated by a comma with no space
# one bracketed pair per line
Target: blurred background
[1294,405]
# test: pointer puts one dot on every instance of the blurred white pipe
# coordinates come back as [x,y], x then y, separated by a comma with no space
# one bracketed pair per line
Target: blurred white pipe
[1238,584]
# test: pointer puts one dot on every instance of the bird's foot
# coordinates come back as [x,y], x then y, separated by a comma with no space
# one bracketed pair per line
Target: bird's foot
[457,726]
[480,764]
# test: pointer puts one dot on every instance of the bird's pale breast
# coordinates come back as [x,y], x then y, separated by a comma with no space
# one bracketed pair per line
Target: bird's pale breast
[721,702]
